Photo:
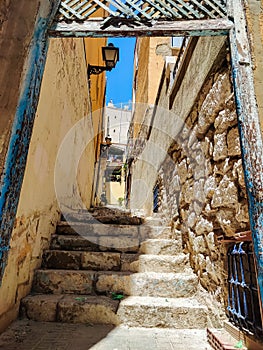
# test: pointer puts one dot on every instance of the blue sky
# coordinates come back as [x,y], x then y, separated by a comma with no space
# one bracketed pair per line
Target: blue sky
[119,80]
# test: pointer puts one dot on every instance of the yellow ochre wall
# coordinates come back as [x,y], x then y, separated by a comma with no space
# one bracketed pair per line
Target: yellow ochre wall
[64,100]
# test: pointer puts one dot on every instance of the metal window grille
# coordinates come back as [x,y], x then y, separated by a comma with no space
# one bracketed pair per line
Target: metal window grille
[156,198]
[243,302]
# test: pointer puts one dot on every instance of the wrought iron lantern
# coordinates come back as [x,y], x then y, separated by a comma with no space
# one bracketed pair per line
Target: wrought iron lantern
[110,55]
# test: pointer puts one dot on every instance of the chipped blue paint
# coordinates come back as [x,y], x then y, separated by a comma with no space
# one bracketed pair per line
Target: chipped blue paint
[250,138]
[15,162]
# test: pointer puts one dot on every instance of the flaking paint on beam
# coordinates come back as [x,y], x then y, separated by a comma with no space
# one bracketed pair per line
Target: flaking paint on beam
[93,28]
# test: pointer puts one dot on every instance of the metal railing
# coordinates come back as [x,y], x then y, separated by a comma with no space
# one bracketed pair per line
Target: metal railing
[243,302]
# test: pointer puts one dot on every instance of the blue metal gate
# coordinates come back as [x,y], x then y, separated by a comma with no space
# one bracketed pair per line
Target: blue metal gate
[243,302]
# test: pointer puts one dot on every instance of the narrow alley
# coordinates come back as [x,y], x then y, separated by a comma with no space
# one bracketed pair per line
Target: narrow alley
[131,161]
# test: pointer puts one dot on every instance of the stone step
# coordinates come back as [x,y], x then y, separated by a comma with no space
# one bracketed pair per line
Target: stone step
[96,232]
[181,313]
[155,232]
[155,221]
[161,246]
[168,285]
[164,263]
[77,260]
[92,243]
[117,219]
[70,309]
[171,285]
[97,229]
[80,282]
[64,282]
[73,242]
[165,285]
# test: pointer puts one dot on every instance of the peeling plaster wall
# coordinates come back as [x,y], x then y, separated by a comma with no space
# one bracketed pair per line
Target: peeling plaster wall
[17,21]
[64,100]
[254,11]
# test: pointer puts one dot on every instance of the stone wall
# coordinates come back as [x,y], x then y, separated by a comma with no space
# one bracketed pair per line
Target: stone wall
[64,100]
[203,190]
[193,152]
[161,125]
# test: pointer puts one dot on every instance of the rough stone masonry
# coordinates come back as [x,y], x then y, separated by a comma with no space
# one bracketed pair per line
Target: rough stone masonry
[202,188]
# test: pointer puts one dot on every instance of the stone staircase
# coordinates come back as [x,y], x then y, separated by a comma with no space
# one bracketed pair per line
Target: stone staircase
[94,261]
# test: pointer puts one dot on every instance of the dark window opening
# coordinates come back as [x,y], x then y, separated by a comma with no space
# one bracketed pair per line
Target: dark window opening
[156,198]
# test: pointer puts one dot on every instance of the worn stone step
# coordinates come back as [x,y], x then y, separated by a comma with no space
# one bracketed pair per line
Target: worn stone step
[161,246]
[155,232]
[97,229]
[73,242]
[76,260]
[166,285]
[170,285]
[111,218]
[64,282]
[164,263]
[92,243]
[181,313]
[70,309]
[104,237]
[81,282]
[155,221]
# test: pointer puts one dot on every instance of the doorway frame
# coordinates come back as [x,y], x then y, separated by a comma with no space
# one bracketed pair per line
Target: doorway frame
[242,74]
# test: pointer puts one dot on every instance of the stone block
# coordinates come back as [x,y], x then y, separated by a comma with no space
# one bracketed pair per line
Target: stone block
[60,259]
[130,262]
[40,307]
[225,120]
[119,243]
[63,281]
[97,230]
[114,282]
[227,222]
[220,147]
[151,232]
[238,173]
[213,103]
[70,242]
[200,245]
[233,142]
[148,312]
[203,226]
[164,263]
[161,246]
[87,309]
[226,194]
[182,171]
[167,285]
[100,261]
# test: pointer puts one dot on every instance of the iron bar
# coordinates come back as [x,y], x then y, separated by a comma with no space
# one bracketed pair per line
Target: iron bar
[243,300]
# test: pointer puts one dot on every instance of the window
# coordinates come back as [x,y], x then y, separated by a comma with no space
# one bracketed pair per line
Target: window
[243,303]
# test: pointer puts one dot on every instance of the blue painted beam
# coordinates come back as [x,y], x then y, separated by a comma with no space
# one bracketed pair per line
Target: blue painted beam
[16,157]
[250,132]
